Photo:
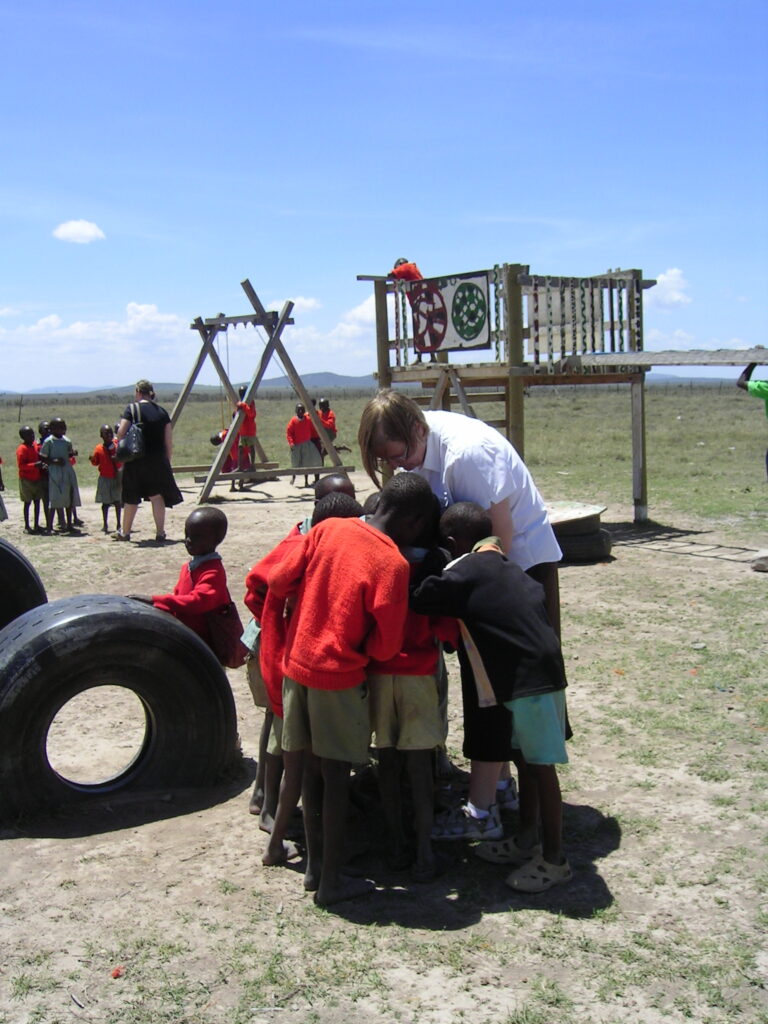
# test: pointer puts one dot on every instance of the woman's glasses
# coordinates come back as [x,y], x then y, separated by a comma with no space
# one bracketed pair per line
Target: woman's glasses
[396,461]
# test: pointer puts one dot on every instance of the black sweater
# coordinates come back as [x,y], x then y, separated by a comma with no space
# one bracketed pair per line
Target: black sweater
[505,613]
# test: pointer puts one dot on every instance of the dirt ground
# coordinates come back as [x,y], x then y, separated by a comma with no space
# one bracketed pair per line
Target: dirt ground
[665,848]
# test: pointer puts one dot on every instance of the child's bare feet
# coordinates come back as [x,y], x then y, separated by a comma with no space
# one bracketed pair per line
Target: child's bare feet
[257,799]
[266,822]
[346,888]
[274,856]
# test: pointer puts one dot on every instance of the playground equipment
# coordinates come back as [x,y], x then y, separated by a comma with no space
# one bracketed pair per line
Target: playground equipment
[539,330]
[274,324]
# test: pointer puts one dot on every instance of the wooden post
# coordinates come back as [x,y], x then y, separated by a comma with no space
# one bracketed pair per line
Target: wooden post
[639,464]
[382,333]
[513,322]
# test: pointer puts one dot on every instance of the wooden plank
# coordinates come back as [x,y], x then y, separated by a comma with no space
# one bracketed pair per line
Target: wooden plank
[257,477]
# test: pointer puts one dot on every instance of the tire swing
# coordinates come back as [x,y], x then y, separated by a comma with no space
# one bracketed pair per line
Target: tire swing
[51,654]
[20,586]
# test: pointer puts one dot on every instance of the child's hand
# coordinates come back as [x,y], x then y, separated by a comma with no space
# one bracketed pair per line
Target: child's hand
[144,598]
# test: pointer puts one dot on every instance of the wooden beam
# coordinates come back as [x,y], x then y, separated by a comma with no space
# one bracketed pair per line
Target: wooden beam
[639,462]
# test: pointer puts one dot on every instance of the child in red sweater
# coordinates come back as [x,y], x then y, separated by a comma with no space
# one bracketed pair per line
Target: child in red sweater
[283,787]
[406,721]
[31,484]
[202,584]
[267,660]
[348,584]
[109,489]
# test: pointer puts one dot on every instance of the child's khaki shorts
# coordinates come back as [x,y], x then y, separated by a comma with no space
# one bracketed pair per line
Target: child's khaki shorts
[331,723]
[405,712]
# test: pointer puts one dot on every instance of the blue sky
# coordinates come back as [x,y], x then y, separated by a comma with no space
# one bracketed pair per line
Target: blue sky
[157,153]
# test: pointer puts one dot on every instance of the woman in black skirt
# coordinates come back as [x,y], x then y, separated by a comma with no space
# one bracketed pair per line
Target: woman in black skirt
[149,477]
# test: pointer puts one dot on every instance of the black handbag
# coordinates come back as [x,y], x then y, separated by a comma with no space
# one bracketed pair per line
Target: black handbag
[131,446]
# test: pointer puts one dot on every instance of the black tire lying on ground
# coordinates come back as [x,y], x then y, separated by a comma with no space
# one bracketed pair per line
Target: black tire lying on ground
[51,654]
[20,586]
[585,547]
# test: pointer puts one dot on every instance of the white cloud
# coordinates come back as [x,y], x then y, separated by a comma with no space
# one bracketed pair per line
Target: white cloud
[681,341]
[8,311]
[301,304]
[669,292]
[80,231]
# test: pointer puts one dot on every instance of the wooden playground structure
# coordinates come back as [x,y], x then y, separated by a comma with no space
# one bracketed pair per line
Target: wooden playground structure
[273,323]
[539,330]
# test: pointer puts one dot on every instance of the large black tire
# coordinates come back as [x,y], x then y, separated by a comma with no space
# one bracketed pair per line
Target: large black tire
[586,547]
[50,654]
[20,586]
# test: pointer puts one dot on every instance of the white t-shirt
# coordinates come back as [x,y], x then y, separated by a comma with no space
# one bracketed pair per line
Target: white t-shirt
[466,460]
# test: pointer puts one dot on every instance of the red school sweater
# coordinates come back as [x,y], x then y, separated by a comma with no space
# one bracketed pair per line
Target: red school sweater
[267,609]
[199,590]
[351,587]
[104,458]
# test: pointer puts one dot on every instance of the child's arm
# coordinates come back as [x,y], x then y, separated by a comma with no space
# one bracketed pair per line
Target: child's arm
[389,613]
[208,593]
[440,595]
[285,578]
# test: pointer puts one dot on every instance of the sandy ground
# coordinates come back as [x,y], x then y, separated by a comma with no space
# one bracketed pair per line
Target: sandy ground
[172,890]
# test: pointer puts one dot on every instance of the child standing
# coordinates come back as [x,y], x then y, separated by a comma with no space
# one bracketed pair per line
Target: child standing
[407,725]
[202,583]
[353,570]
[511,655]
[3,512]
[109,487]
[56,452]
[31,486]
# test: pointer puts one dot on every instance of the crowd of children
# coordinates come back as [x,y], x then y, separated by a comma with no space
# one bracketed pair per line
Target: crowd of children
[47,479]
[350,612]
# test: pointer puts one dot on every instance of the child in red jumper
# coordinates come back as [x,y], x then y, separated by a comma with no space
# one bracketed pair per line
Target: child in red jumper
[202,585]
[109,489]
[335,505]
[407,724]
[31,485]
[267,662]
[348,584]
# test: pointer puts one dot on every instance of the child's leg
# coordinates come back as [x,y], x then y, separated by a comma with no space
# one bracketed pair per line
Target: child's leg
[419,766]
[273,774]
[390,775]
[290,792]
[118,513]
[312,802]
[257,797]
[334,886]
[547,786]
[26,515]
[105,516]
[528,811]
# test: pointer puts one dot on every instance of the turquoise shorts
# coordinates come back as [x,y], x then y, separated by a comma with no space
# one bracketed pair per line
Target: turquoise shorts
[538,727]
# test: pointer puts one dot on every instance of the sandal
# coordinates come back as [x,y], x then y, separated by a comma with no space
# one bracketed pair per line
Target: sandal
[121,536]
[538,876]
[507,851]
[507,798]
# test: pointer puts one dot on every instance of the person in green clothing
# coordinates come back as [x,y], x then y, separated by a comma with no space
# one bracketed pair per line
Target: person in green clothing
[758,388]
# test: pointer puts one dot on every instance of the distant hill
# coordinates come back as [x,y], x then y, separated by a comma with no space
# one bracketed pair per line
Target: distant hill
[314,382]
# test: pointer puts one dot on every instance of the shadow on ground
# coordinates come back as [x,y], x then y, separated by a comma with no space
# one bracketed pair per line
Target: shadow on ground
[130,809]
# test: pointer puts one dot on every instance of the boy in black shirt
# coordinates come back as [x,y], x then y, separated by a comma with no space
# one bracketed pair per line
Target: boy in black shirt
[511,654]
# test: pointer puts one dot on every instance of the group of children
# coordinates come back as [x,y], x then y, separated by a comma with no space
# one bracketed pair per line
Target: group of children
[48,482]
[350,612]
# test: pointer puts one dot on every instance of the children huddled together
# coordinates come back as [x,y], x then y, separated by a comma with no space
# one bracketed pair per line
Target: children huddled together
[351,613]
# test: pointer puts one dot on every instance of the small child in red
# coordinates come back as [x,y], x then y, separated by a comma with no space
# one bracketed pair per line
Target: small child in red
[31,485]
[202,584]
[109,489]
